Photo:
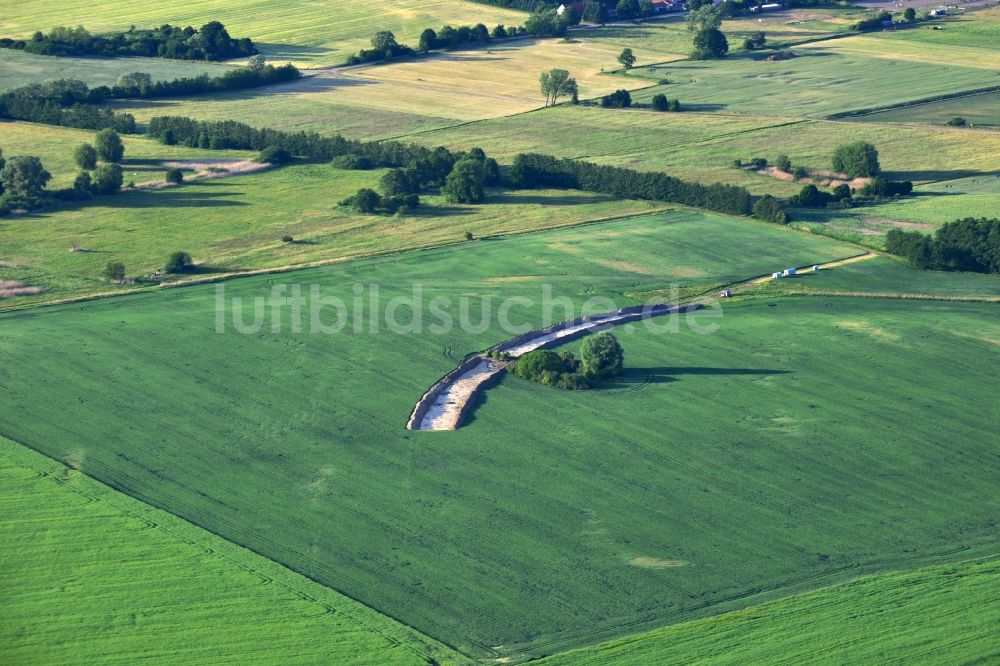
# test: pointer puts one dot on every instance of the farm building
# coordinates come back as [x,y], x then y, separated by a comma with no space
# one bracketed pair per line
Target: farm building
[939,12]
[769,7]
[726,293]
[815,268]
[776,275]
[789,271]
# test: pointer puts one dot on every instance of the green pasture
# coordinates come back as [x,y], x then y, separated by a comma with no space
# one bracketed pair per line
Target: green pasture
[307,33]
[95,576]
[823,80]
[18,69]
[233,224]
[934,615]
[979,110]
[803,443]
[701,147]
[55,146]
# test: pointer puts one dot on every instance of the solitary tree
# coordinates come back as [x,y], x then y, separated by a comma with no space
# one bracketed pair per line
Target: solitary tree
[115,270]
[23,178]
[626,58]
[601,356]
[178,262]
[174,176]
[660,102]
[783,163]
[910,15]
[857,160]
[109,146]
[709,43]
[367,200]
[85,156]
[428,40]
[556,83]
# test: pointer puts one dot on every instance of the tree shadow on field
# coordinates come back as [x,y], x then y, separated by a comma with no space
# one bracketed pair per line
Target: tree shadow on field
[548,199]
[639,377]
[942,175]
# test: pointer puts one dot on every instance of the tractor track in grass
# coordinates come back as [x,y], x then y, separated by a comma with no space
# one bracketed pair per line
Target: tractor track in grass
[445,405]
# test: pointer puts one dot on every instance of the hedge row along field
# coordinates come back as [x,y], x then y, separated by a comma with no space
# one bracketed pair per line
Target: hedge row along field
[95,576]
[486,539]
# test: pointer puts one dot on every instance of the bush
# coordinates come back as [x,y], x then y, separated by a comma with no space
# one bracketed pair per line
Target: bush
[958,121]
[800,173]
[108,179]
[469,236]
[274,155]
[178,262]
[660,102]
[783,163]
[674,105]
[355,162]
[115,270]
[287,239]
[770,209]
[601,356]
[109,146]
[85,156]
[551,369]
[465,182]
[758,163]
[175,176]
[841,192]
[617,99]
[880,187]
[367,200]
[83,183]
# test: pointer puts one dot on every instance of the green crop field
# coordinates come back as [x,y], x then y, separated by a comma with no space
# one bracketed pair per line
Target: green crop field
[18,68]
[95,576]
[892,618]
[307,33]
[515,534]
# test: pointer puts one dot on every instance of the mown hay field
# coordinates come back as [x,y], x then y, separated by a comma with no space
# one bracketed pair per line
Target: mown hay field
[806,474]
[237,223]
[95,576]
[413,95]
[978,110]
[304,32]
[894,617]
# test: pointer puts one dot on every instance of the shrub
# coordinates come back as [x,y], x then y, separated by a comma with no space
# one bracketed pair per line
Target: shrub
[660,102]
[880,187]
[783,163]
[85,156]
[366,200]
[958,121]
[356,162]
[287,239]
[758,163]
[674,105]
[601,356]
[175,176]
[178,262]
[617,99]
[800,172]
[274,155]
[115,270]
[841,192]
[469,236]
[83,183]
[465,182]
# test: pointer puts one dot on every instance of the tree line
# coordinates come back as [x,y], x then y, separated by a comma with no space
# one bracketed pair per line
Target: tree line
[211,42]
[969,244]
[535,170]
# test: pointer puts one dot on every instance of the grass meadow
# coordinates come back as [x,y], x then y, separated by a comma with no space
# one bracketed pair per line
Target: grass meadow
[979,110]
[653,500]
[55,145]
[237,223]
[18,68]
[307,33]
[95,576]
[890,618]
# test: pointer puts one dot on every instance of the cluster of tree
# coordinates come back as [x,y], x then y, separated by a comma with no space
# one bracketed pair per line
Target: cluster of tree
[141,85]
[970,244]
[870,23]
[601,357]
[106,178]
[367,200]
[470,175]
[557,83]
[534,170]
[22,183]
[550,23]
[522,5]
[769,209]
[857,160]
[451,38]
[384,47]
[211,42]
[709,42]
[661,103]
[619,99]
[65,102]
[433,163]
[841,196]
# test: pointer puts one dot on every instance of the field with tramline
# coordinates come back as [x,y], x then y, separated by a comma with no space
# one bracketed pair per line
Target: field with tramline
[306,374]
